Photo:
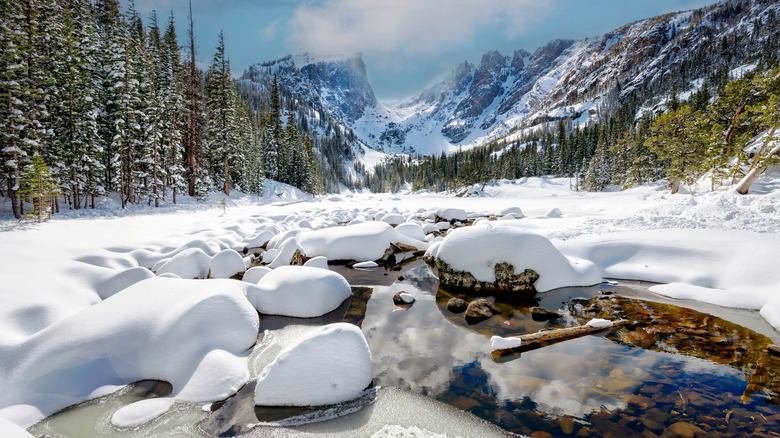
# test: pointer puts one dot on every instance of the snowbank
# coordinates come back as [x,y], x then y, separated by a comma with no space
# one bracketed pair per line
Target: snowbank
[299,291]
[477,250]
[331,365]
[732,269]
[193,334]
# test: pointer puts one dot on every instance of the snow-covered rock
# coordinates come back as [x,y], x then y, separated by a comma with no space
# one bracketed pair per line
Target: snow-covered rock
[148,331]
[554,213]
[140,412]
[299,291]
[190,263]
[516,211]
[479,248]
[411,230]
[254,274]
[317,262]
[366,241]
[226,264]
[449,214]
[365,265]
[331,365]
[259,239]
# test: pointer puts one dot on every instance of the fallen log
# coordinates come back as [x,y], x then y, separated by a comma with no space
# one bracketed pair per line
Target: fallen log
[543,338]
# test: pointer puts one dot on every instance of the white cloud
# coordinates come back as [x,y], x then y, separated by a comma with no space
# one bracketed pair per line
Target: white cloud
[410,28]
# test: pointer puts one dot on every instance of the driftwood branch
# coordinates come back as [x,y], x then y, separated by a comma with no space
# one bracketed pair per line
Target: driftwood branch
[533,341]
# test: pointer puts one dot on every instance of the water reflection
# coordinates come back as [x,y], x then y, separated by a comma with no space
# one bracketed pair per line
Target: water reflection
[604,382]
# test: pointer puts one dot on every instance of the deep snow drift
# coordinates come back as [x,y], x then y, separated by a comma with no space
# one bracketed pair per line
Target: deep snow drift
[79,303]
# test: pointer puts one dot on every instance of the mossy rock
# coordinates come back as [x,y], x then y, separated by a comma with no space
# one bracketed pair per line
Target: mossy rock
[506,279]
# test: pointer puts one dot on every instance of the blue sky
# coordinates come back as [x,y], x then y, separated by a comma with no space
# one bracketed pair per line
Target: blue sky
[407,44]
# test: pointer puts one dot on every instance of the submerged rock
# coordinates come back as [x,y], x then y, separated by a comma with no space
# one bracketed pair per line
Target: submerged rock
[542,314]
[480,310]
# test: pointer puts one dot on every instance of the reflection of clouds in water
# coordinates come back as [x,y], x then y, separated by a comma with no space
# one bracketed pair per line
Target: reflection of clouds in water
[418,349]
[562,380]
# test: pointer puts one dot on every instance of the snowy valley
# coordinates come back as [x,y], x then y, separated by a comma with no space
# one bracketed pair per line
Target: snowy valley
[581,240]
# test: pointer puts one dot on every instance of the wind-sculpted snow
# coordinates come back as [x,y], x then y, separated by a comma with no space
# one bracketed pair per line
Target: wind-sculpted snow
[191,333]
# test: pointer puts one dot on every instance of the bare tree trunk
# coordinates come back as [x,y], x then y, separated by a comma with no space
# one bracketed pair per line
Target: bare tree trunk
[675,185]
[744,186]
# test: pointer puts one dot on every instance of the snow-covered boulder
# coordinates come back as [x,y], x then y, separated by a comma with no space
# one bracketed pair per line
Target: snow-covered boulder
[190,263]
[366,241]
[299,291]
[516,211]
[258,240]
[393,219]
[226,264]
[411,230]
[450,214]
[254,274]
[506,258]
[331,365]
[11,430]
[554,213]
[317,262]
[144,332]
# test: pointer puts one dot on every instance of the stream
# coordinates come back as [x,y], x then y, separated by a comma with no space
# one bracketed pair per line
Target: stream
[689,370]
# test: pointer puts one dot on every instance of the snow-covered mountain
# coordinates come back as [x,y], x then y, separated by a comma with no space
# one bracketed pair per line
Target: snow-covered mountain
[563,79]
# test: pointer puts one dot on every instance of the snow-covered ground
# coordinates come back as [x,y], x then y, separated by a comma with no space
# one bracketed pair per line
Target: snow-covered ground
[75,322]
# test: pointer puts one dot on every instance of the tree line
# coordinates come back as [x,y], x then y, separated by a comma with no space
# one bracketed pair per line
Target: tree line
[708,133]
[93,101]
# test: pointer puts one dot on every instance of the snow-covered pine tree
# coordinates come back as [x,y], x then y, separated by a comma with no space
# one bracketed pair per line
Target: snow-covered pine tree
[172,122]
[76,149]
[225,153]
[272,135]
[194,156]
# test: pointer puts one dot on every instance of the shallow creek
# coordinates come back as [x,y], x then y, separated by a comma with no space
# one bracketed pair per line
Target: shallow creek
[680,371]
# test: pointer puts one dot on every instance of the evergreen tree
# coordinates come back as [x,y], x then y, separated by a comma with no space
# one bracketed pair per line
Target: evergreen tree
[221,129]
[40,187]
[172,123]
[673,138]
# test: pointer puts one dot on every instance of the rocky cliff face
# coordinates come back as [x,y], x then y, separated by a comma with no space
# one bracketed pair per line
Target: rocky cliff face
[563,79]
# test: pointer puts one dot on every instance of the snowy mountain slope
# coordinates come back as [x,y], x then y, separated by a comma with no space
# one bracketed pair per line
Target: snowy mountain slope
[564,79]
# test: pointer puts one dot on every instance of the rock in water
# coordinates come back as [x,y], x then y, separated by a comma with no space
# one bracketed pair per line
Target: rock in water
[332,365]
[456,305]
[500,257]
[480,310]
[683,430]
[542,314]
[403,299]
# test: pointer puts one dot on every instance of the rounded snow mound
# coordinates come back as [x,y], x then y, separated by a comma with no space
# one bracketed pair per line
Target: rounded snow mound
[299,291]
[331,365]
[144,332]
[479,248]
[364,241]
[450,214]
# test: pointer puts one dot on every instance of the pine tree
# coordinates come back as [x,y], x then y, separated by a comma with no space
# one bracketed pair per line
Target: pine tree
[172,123]
[221,129]
[76,153]
[272,135]
[40,187]
[193,138]
[673,138]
